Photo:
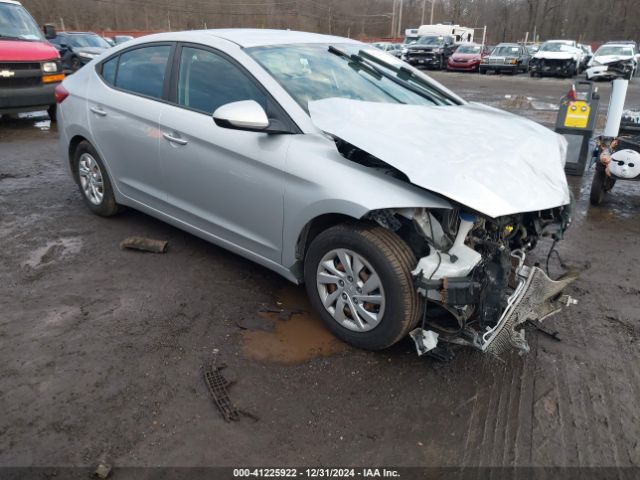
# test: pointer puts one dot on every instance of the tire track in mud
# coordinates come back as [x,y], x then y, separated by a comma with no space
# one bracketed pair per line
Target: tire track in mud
[606,392]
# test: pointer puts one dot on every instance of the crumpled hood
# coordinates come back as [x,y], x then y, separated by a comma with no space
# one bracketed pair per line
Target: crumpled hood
[555,55]
[489,160]
[606,59]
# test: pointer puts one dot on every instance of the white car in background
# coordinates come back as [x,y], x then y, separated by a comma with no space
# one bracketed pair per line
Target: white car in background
[557,57]
[610,54]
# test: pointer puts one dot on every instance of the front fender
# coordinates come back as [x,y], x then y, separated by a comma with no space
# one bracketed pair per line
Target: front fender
[320,181]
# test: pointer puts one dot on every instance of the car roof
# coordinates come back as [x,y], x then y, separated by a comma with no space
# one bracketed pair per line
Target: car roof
[507,44]
[75,33]
[250,37]
[13,2]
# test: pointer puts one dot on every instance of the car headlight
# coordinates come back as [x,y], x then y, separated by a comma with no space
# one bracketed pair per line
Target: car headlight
[86,55]
[49,67]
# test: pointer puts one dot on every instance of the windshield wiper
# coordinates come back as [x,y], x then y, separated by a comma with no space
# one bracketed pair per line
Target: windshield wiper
[356,60]
[395,79]
[405,74]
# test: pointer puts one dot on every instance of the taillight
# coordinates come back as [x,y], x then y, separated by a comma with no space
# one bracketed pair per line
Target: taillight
[61,93]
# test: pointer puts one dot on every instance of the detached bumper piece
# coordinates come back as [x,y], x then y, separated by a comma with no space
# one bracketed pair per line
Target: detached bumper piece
[536,298]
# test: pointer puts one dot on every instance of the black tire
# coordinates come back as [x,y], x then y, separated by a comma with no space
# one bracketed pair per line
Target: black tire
[52,112]
[442,63]
[393,261]
[76,64]
[598,187]
[107,206]
[482,71]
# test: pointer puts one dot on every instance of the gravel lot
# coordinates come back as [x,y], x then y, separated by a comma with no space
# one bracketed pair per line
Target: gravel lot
[102,349]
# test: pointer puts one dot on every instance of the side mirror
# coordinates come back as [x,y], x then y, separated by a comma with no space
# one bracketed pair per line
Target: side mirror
[49,31]
[243,115]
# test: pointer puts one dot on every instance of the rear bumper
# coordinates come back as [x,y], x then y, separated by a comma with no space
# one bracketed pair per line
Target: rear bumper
[13,100]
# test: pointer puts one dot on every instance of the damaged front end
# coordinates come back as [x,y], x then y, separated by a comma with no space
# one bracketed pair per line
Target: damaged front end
[564,67]
[478,290]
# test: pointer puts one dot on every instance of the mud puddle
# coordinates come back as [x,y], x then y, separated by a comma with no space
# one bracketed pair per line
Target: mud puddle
[291,333]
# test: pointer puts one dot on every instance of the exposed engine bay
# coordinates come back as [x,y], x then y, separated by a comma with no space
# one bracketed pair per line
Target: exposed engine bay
[472,273]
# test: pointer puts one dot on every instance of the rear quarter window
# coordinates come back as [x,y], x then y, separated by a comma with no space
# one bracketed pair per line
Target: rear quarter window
[109,70]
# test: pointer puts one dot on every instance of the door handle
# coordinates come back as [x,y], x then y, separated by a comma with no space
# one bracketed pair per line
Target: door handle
[98,111]
[176,140]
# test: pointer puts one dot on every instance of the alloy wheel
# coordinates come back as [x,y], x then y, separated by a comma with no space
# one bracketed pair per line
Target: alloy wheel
[350,290]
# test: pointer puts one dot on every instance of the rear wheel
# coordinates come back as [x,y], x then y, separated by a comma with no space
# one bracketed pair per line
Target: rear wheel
[93,181]
[358,278]
[76,64]
[52,112]
[600,185]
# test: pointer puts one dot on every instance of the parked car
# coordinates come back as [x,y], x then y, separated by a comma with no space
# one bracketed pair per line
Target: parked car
[467,57]
[431,51]
[394,49]
[506,57]
[533,49]
[587,55]
[79,48]
[608,55]
[556,57]
[29,66]
[110,41]
[298,151]
[118,39]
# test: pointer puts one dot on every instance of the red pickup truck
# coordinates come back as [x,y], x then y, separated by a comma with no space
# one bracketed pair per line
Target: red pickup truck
[29,65]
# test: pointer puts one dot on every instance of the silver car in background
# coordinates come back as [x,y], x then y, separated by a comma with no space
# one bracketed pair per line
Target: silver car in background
[401,206]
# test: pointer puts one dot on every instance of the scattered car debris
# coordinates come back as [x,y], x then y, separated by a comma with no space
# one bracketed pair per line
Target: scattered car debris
[217,385]
[550,333]
[144,244]
[103,470]
[283,313]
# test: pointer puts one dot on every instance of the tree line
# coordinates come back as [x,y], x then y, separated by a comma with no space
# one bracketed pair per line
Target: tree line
[506,20]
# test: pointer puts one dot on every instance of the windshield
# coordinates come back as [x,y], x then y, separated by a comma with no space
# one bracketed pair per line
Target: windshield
[431,41]
[611,50]
[80,41]
[468,49]
[16,23]
[556,47]
[504,51]
[312,72]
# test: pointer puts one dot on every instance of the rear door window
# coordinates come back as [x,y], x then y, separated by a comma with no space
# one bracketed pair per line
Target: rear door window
[143,70]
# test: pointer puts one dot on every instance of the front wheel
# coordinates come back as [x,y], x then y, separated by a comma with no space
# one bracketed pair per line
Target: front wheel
[358,278]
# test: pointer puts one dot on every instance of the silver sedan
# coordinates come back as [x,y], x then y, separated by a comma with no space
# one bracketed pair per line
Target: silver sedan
[332,163]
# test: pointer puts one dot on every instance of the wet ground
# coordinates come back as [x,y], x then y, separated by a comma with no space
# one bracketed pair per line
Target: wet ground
[103,349]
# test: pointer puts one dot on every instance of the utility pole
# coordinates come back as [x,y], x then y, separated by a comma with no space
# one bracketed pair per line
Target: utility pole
[424,4]
[400,19]
[433,4]
[393,19]
[62,24]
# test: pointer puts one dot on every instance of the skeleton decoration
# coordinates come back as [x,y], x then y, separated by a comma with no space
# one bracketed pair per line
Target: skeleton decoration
[625,164]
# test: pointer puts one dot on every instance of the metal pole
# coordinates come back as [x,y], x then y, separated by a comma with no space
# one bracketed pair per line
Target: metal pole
[484,35]
[393,19]
[424,4]
[433,4]
[400,20]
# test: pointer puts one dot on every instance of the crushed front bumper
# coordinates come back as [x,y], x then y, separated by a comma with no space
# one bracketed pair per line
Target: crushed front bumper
[534,298]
